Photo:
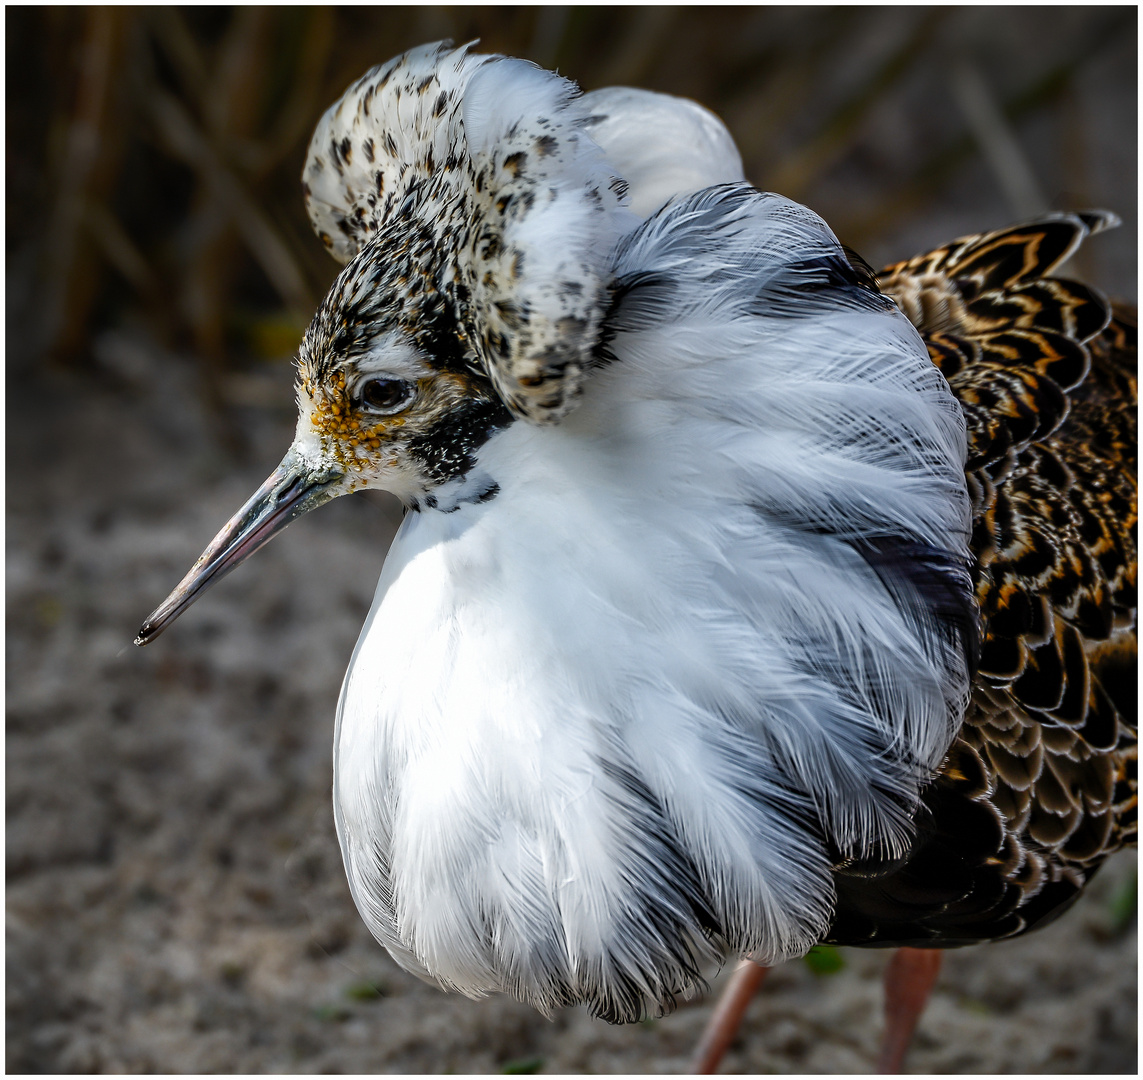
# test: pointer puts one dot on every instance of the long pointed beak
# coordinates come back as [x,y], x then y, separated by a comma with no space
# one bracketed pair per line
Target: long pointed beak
[289,491]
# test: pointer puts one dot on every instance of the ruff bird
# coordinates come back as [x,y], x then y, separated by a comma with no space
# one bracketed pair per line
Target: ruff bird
[745,599]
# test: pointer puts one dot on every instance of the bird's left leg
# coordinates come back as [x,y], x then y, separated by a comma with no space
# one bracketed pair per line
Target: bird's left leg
[909,979]
[723,1023]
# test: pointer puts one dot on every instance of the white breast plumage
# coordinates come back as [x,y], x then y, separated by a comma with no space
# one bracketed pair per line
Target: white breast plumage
[655,686]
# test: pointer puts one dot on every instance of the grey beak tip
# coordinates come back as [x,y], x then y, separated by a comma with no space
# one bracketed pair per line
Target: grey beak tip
[289,491]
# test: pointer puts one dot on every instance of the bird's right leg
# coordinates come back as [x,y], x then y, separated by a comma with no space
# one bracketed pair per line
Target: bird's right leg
[723,1023]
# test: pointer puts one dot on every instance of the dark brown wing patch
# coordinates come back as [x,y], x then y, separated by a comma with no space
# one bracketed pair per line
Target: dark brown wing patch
[1040,785]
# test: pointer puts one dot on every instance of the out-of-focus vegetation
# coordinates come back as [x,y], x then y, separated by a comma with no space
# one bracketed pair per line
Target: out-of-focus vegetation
[154,154]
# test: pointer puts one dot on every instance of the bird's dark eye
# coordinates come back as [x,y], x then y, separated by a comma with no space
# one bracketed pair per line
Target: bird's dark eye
[385,395]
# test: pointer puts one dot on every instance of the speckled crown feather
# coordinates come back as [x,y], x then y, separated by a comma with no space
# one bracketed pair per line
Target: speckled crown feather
[491,152]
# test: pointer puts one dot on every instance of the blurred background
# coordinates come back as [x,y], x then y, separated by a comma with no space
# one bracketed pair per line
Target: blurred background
[175,896]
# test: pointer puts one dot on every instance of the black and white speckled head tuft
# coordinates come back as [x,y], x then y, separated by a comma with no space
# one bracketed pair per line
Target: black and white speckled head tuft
[470,180]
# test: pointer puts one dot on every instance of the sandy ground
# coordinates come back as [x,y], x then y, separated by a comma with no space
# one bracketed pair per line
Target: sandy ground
[175,895]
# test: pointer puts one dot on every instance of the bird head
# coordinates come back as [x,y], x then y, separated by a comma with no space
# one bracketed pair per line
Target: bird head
[390,396]
[477,220]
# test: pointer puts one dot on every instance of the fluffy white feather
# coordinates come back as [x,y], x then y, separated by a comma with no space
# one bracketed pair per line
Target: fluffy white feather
[626,715]
[661,145]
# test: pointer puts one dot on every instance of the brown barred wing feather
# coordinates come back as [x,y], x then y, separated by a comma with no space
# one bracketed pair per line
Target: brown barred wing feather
[1039,786]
